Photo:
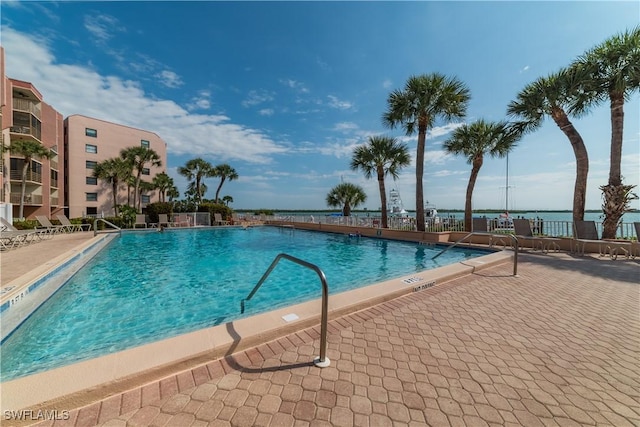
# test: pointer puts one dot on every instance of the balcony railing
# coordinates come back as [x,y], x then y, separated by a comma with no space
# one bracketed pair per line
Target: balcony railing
[31,176]
[26,130]
[29,199]
[54,164]
[54,201]
[28,106]
[54,183]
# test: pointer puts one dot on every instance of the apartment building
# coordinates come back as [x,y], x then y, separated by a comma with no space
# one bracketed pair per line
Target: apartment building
[26,117]
[89,141]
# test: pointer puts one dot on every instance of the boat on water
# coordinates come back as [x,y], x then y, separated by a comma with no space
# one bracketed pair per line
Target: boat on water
[431,214]
[396,208]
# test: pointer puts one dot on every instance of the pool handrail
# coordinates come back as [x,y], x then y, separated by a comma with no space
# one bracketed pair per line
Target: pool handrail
[95,226]
[322,361]
[513,238]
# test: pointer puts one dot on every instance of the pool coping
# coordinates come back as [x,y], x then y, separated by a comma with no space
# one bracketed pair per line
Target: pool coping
[98,377]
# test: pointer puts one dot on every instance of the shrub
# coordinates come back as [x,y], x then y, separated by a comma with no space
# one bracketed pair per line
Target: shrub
[154,209]
[214,208]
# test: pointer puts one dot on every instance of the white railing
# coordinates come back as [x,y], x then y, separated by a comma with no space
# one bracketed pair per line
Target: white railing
[538,226]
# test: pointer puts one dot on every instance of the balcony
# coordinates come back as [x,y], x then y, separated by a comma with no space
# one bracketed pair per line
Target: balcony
[55,201]
[54,164]
[27,106]
[32,176]
[54,183]
[26,130]
[29,199]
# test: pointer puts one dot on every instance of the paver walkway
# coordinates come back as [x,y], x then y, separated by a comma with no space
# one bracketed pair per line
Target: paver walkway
[557,346]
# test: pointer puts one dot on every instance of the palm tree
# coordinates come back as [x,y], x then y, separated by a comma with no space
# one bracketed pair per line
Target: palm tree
[347,196]
[173,193]
[474,141]
[145,186]
[196,170]
[614,68]
[381,156]
[29,150]
[113,171]
[559,95]
[139,157]
[227,199]
[162,182]
[424,99]
[224,172]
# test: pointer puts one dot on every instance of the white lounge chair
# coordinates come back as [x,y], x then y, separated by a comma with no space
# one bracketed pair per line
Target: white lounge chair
[217,218]
[72,227]
[45,223]
[523,232]
[585,233]
[141,219]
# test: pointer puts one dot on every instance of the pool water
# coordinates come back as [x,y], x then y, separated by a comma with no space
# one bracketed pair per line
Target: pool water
[145,287]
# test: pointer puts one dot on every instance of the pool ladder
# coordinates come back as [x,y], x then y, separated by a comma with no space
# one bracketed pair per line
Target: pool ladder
[513,238]
[322,361]
[95,226]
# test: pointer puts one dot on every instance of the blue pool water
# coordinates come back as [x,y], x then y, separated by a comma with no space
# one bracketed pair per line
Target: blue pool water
[149,286]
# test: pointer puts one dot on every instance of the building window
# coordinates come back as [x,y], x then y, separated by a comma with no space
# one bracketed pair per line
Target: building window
[91,164]
[91,132]
[90,148]
[146,171]
[92,180]
[92,197]
[144,143]
[145,199]
[92,211]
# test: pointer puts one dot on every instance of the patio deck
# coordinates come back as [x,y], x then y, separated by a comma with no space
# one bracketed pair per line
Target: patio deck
[557,345]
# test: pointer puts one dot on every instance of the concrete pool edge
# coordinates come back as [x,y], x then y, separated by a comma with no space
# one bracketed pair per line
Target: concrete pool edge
[85,382]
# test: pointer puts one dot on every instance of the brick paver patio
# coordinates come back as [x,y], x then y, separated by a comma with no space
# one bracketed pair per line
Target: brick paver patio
[557,346]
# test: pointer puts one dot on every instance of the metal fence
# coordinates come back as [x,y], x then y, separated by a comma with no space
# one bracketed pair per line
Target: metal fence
[538,226]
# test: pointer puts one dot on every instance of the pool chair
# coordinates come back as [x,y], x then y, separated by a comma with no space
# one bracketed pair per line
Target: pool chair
[141,219]
[38,233]
[524,233]
[481,226]
[180,220]
[217,218]
[585,233]
[163,219]
[72,227]
[635,245]
[54,229]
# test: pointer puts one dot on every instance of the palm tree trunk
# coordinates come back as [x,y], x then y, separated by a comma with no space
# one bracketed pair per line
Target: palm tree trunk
[614,206]
[383,196]
[468,211]
[422,136]
[219,188]
[114,188]
[346,211]
[582,162]
[23,190]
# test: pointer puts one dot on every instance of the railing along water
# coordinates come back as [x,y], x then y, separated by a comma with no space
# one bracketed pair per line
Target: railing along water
[322,361]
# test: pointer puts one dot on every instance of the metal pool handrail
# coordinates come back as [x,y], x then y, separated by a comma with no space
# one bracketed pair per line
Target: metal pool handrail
[513,238]
[95,226]
[322,361]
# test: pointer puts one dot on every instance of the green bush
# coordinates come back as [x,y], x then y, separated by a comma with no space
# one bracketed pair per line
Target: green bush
[214,208]
[267,212]
[154,209]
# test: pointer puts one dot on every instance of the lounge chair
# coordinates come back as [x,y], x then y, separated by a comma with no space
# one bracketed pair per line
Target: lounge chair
[523,232]
[72,227]
[635,246]
[46,224]
[40,233]
[180,220]
[585,233]
[163,219]
[141,219]
[481,225]
[217,218]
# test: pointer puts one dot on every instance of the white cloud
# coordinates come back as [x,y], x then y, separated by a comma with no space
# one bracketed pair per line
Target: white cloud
[201,101]
[386,84]
[169,79]
[73,89]
[266,112]
[102,27]
[256,97]
[345,127]
[525,68]
[334,102]
[296,85]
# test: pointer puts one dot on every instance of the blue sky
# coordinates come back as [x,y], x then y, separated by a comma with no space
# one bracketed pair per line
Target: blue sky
[284,91]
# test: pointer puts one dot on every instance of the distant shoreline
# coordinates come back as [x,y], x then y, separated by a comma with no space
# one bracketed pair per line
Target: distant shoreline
[475,211]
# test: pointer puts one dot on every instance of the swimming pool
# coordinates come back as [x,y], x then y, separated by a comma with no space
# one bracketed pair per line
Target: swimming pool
[148,286]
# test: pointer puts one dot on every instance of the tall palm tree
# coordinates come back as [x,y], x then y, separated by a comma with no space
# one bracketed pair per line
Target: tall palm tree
[224,172]
[196,170]
[346,196]
[113,171]
[614,68]
[162,182]
[29,150]
[227,199]
[381,156]
[173,193]
[559,95]
[474,141]
[424,99]
[140,157]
